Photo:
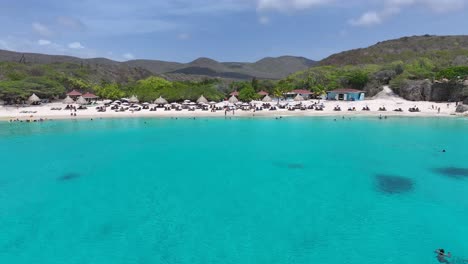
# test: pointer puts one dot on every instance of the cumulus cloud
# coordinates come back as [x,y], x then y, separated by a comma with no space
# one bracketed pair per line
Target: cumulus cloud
[41,29]
[75,45]
[128,56]
[393,7]
[44,42]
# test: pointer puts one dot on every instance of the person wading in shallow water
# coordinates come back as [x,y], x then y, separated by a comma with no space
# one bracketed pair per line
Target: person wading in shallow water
[441,256]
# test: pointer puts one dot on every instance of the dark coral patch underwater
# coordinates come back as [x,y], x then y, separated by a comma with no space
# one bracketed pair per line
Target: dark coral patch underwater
[68,176]
[453,172]
[390,184]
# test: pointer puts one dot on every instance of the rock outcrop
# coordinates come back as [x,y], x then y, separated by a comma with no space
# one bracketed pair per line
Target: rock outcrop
[416,90]
[425,90]
[372,88]
[377,80]
[447,92]
[462,108]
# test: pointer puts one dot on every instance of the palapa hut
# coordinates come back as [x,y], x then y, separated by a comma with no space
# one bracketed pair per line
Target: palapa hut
[233,100]
[267,99]
[74,94]
[202,100]
[81,101]
[262,93]
[68,100]
[133,100]
[160,102]
[90,97]
[298,98]
[34,99]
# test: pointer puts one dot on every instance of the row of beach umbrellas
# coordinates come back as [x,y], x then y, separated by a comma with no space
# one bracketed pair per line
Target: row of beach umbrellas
[160,101]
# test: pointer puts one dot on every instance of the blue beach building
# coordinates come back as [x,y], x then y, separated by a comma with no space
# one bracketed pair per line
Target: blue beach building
[346,95]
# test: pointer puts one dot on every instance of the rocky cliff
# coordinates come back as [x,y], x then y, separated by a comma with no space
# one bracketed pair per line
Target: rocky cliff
[462,109]
[425,90]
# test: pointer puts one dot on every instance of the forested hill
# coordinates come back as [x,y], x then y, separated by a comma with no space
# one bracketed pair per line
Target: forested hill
[443,50]
[267,68]
[425,67]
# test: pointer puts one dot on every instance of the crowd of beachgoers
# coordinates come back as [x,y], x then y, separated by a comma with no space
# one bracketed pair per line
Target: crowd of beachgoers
[384,104]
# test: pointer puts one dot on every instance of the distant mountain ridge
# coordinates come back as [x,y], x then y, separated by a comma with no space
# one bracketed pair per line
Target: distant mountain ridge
[267,68]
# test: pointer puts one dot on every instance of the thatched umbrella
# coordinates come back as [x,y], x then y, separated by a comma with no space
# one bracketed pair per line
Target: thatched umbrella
[34,99]
[267,99]
[233,100]
[68,100]
[299,98]
[202,100]
[81,101]
[160,101]
[133,100]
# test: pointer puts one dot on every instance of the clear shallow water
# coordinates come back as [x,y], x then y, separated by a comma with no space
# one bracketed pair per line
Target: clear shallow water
[298,190]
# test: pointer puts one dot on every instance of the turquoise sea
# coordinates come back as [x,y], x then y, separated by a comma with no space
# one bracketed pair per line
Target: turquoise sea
[293,190]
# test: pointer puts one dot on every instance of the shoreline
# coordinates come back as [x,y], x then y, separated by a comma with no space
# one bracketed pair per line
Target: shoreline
[220,114]
[390,102]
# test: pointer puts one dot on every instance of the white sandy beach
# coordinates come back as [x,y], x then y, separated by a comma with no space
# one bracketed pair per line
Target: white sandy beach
[384,99]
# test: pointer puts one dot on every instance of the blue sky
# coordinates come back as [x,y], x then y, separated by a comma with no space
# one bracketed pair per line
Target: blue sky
[225,30]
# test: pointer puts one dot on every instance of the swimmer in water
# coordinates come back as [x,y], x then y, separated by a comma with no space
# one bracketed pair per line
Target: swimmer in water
[441,256]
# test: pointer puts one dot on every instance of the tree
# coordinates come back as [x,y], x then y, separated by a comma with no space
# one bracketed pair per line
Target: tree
[357,79]
[255,84]
[150,88]
[420,68]
[453,73]
[278,93]
[109,91]
[247,93]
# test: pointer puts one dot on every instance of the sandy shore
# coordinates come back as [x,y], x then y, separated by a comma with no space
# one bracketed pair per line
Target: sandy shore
[386,98]
[427,109]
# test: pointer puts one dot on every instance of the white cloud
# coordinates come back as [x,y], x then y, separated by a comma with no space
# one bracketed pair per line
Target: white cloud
[44,42]
[367,19]
[41,29]
[284,5]
[128,56]
[75,45]
[264,20]
[184,36]
[393,7]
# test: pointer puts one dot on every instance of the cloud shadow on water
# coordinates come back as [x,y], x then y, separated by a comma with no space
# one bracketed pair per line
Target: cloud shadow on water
[452,172]
[69,176]
[391,184]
